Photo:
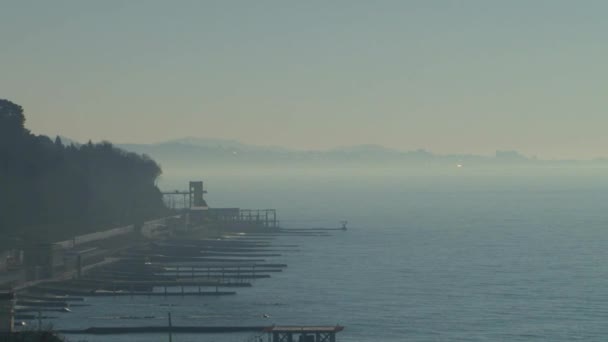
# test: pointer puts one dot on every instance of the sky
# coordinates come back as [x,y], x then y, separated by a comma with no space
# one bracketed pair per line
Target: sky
[446,76]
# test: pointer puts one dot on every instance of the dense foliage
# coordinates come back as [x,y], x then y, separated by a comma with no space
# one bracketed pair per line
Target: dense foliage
[55,191]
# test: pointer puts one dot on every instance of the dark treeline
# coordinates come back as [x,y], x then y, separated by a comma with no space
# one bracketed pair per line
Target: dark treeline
[51,191]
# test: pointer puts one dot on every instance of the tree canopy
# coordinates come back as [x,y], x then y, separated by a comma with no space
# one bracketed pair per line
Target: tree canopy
[56,191]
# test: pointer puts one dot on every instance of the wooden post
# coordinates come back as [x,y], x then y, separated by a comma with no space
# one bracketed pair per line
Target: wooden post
[170,327]
[7,313]
[79,266]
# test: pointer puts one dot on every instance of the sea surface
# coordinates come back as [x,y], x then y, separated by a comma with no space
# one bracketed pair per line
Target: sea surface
[460,255]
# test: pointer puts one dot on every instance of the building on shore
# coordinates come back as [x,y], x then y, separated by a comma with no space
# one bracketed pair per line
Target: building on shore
[198,213]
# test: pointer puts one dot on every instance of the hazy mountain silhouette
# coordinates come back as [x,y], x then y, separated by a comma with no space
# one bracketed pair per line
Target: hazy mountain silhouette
[193,150]
[190,151]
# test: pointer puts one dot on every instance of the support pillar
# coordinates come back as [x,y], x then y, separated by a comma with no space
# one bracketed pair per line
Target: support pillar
[7,312]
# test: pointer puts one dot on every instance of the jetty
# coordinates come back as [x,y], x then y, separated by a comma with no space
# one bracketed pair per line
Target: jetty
[277,333]
[304,333]
[199,251]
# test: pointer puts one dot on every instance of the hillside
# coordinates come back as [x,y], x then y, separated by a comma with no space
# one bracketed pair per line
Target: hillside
[53,191]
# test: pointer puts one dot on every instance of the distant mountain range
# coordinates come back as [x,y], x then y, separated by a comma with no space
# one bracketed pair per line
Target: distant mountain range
[192,151]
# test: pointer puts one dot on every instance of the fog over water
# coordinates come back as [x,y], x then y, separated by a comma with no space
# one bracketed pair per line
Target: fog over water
[340,191]
[463,141]
[430,255]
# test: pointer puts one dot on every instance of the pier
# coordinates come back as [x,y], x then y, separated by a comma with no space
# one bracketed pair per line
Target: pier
[304,333]
[277,333]
[201,251]
[198,212]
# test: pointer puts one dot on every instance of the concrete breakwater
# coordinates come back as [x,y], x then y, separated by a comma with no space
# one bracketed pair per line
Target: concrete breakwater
[162,329]
[202,252]
[141,268]
[156,269]
[195,263]
[134,272]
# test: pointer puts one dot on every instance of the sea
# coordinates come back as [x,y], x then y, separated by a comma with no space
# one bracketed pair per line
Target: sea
[456,254]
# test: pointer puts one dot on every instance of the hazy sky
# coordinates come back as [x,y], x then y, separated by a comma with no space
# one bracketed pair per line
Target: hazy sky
[447,76]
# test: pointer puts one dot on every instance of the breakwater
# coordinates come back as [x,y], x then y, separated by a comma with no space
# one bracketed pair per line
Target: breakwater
[162,329]
[181,265]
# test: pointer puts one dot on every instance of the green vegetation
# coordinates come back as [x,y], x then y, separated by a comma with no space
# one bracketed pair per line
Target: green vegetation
[52,191]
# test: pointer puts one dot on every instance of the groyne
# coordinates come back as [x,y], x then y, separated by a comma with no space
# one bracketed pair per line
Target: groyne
[173,256]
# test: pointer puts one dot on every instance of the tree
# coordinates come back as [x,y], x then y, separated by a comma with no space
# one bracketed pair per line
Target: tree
[11,116]
[47,189]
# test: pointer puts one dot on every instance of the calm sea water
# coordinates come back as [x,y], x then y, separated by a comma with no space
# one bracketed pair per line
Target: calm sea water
[473,257]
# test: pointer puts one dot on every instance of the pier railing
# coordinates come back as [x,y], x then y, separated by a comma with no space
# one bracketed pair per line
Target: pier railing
[266,218]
